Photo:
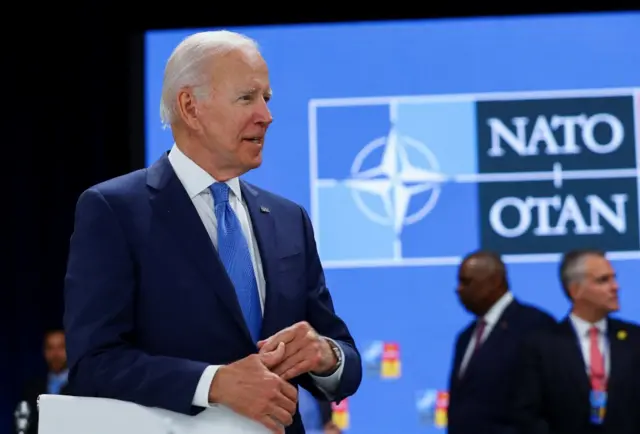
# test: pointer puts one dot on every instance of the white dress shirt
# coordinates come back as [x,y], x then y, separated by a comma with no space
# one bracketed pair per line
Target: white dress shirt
[196,182]
[582,328]
[491,318]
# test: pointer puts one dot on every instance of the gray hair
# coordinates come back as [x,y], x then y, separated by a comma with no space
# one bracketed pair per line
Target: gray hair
[187,65]
[572,267]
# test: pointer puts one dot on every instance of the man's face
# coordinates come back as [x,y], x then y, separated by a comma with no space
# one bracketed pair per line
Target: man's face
[598,290]
[476,286]
[231,116]
[55,352]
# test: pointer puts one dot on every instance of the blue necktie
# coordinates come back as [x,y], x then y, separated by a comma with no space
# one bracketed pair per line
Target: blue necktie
[56,381]
[234,253]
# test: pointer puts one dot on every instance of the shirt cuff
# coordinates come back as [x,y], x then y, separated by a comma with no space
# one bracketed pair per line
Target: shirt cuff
[201,397]
[329,384]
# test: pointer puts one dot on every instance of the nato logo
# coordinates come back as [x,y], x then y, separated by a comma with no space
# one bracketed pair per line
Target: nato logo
[432,406]
[423,180]
[382,360]
[372,358]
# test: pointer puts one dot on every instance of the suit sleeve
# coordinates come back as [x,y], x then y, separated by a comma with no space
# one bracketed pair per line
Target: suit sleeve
[99,319]
[322,317]
[527,411]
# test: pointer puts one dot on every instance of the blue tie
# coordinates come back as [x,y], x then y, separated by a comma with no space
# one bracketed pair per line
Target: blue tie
[234,253]
[55,384]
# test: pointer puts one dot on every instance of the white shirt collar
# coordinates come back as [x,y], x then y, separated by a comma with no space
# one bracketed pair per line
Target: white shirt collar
[193,177]
[494,314]
[582,327]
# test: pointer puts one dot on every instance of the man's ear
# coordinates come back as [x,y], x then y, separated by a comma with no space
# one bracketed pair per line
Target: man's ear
[574,290]
[496,280]
[188,108]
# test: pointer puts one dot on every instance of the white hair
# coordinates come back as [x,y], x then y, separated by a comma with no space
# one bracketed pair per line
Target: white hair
[573,267]
[187,65]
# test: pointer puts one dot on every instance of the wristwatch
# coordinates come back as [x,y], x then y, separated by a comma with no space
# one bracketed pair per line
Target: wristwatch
[336,350]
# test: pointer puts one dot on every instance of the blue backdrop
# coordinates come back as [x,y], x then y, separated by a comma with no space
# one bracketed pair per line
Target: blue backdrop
[416,132]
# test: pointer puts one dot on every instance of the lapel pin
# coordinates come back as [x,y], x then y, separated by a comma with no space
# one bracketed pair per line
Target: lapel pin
[622,335]
[264,209]
[504,325]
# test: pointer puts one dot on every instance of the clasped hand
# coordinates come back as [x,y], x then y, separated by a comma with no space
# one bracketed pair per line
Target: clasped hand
[305,351]
[257,386]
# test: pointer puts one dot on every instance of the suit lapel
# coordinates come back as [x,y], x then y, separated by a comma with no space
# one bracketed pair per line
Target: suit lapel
[501,328]
[497,334]
[576,365]
[617,354]
[263,224]
[173,207]
[461,349]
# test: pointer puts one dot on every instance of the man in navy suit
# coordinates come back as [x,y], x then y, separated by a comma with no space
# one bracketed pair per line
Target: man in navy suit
[583,375]
[190,289]
[53,381]
[486,350]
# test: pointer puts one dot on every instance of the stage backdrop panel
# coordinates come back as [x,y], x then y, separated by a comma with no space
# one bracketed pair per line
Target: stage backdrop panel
[412,143]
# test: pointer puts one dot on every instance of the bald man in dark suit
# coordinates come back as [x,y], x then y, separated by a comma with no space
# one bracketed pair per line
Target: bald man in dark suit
[486,349]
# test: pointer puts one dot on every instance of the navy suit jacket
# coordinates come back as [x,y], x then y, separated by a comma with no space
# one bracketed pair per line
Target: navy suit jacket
[149,304]
[479,400]
[553,387]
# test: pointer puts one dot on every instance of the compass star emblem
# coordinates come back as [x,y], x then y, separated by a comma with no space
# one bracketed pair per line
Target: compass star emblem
[405,168]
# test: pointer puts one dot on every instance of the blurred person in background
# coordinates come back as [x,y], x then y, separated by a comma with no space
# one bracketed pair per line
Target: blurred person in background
[316,414]
[583,375]
[486,350]
[53,382]
[191,290]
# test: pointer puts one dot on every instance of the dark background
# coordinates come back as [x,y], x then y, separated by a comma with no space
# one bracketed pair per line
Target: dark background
[72,90]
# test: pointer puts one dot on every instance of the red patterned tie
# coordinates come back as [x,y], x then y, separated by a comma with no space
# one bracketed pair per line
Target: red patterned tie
[597,373]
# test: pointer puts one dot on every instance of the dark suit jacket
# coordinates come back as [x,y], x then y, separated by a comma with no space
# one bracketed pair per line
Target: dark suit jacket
[149,304]
[553,392]
[30,394]
[478,402]
[326,412]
